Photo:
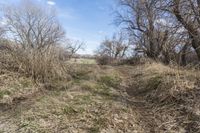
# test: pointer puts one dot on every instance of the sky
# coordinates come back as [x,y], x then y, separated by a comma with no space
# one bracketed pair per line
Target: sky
[89,21]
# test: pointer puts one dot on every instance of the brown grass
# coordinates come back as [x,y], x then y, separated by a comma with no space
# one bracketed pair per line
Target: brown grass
[169,97]
[143,98]
[42,65]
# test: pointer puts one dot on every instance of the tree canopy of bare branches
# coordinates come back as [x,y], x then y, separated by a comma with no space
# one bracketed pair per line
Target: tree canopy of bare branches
[162,29]
[115,48]
[32,25]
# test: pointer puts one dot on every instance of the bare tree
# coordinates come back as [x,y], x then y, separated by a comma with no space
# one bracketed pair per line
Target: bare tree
[3,41]
[154,29]
[139,18]
[75,47]
[115,48]
[69,49]
[33,33]
[32,25]
[2,31]
[187,13]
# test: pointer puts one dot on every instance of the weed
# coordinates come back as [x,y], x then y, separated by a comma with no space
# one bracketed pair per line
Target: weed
[111,81]
[79,73]
[72,110]
[2,93]
[69,110]
[85,99]
[25,83]
[88,86]
[57,85]
[97,125]
[100,122]
[94,130]
[154,82]
[15,86]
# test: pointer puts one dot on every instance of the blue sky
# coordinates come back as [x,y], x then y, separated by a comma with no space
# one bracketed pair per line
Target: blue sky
[85,20]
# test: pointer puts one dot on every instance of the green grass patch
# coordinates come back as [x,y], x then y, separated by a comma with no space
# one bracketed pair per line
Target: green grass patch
[97,125]
[58,85]
[80,74]
[111,81]
[26,83]
[2,93]
[88,86]
[69,110]
[82,99]
[100,122]
[72,110]
[94,130]
[82,61]
[154,82]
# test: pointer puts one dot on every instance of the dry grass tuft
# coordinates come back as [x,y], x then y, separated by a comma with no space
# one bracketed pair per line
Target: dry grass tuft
[42,65]
[143,98]
[169,96]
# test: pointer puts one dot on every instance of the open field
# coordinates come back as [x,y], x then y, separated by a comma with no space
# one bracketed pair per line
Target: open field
[82,61]
[106,99]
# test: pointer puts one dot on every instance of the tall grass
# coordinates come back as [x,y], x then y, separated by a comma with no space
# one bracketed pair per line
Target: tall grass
[42,65]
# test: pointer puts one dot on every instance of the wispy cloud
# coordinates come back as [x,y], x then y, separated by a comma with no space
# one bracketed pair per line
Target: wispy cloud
[66,15]
[102,33]
[102,8]
[52,3]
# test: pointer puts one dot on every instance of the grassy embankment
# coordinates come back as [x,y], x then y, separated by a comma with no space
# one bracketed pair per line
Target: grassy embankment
[142,98]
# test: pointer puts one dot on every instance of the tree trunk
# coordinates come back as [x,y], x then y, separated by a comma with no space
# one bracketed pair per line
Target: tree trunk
[183,54]
[166,59]
[196,46]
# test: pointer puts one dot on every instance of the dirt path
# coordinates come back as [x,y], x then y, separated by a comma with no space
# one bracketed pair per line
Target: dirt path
[86,106]
[101,100]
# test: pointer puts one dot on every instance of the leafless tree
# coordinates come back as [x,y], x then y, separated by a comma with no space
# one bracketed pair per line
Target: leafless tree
[187,13]
[161,29]
[32,25]
[139,18]
[72,47]
[3,41]
[2,32]
[75,47]
[115,48]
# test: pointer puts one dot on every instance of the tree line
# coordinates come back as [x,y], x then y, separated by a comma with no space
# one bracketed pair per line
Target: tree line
[33,42]
[163,30]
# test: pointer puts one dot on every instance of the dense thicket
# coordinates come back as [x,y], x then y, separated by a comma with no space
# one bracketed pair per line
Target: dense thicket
[33,42]
[167,31]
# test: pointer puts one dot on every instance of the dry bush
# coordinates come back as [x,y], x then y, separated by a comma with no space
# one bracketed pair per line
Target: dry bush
[135,60]
[169,95]
[33,34]
[104,60]
[42,65]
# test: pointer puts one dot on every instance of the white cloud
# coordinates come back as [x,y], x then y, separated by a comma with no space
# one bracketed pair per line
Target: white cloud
[52,3]
[67,13]
[102,33]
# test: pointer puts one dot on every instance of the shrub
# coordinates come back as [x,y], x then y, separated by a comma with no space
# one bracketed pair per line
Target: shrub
[41,64]
[2,93]
[111,81]
[135,60]
[103,60]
